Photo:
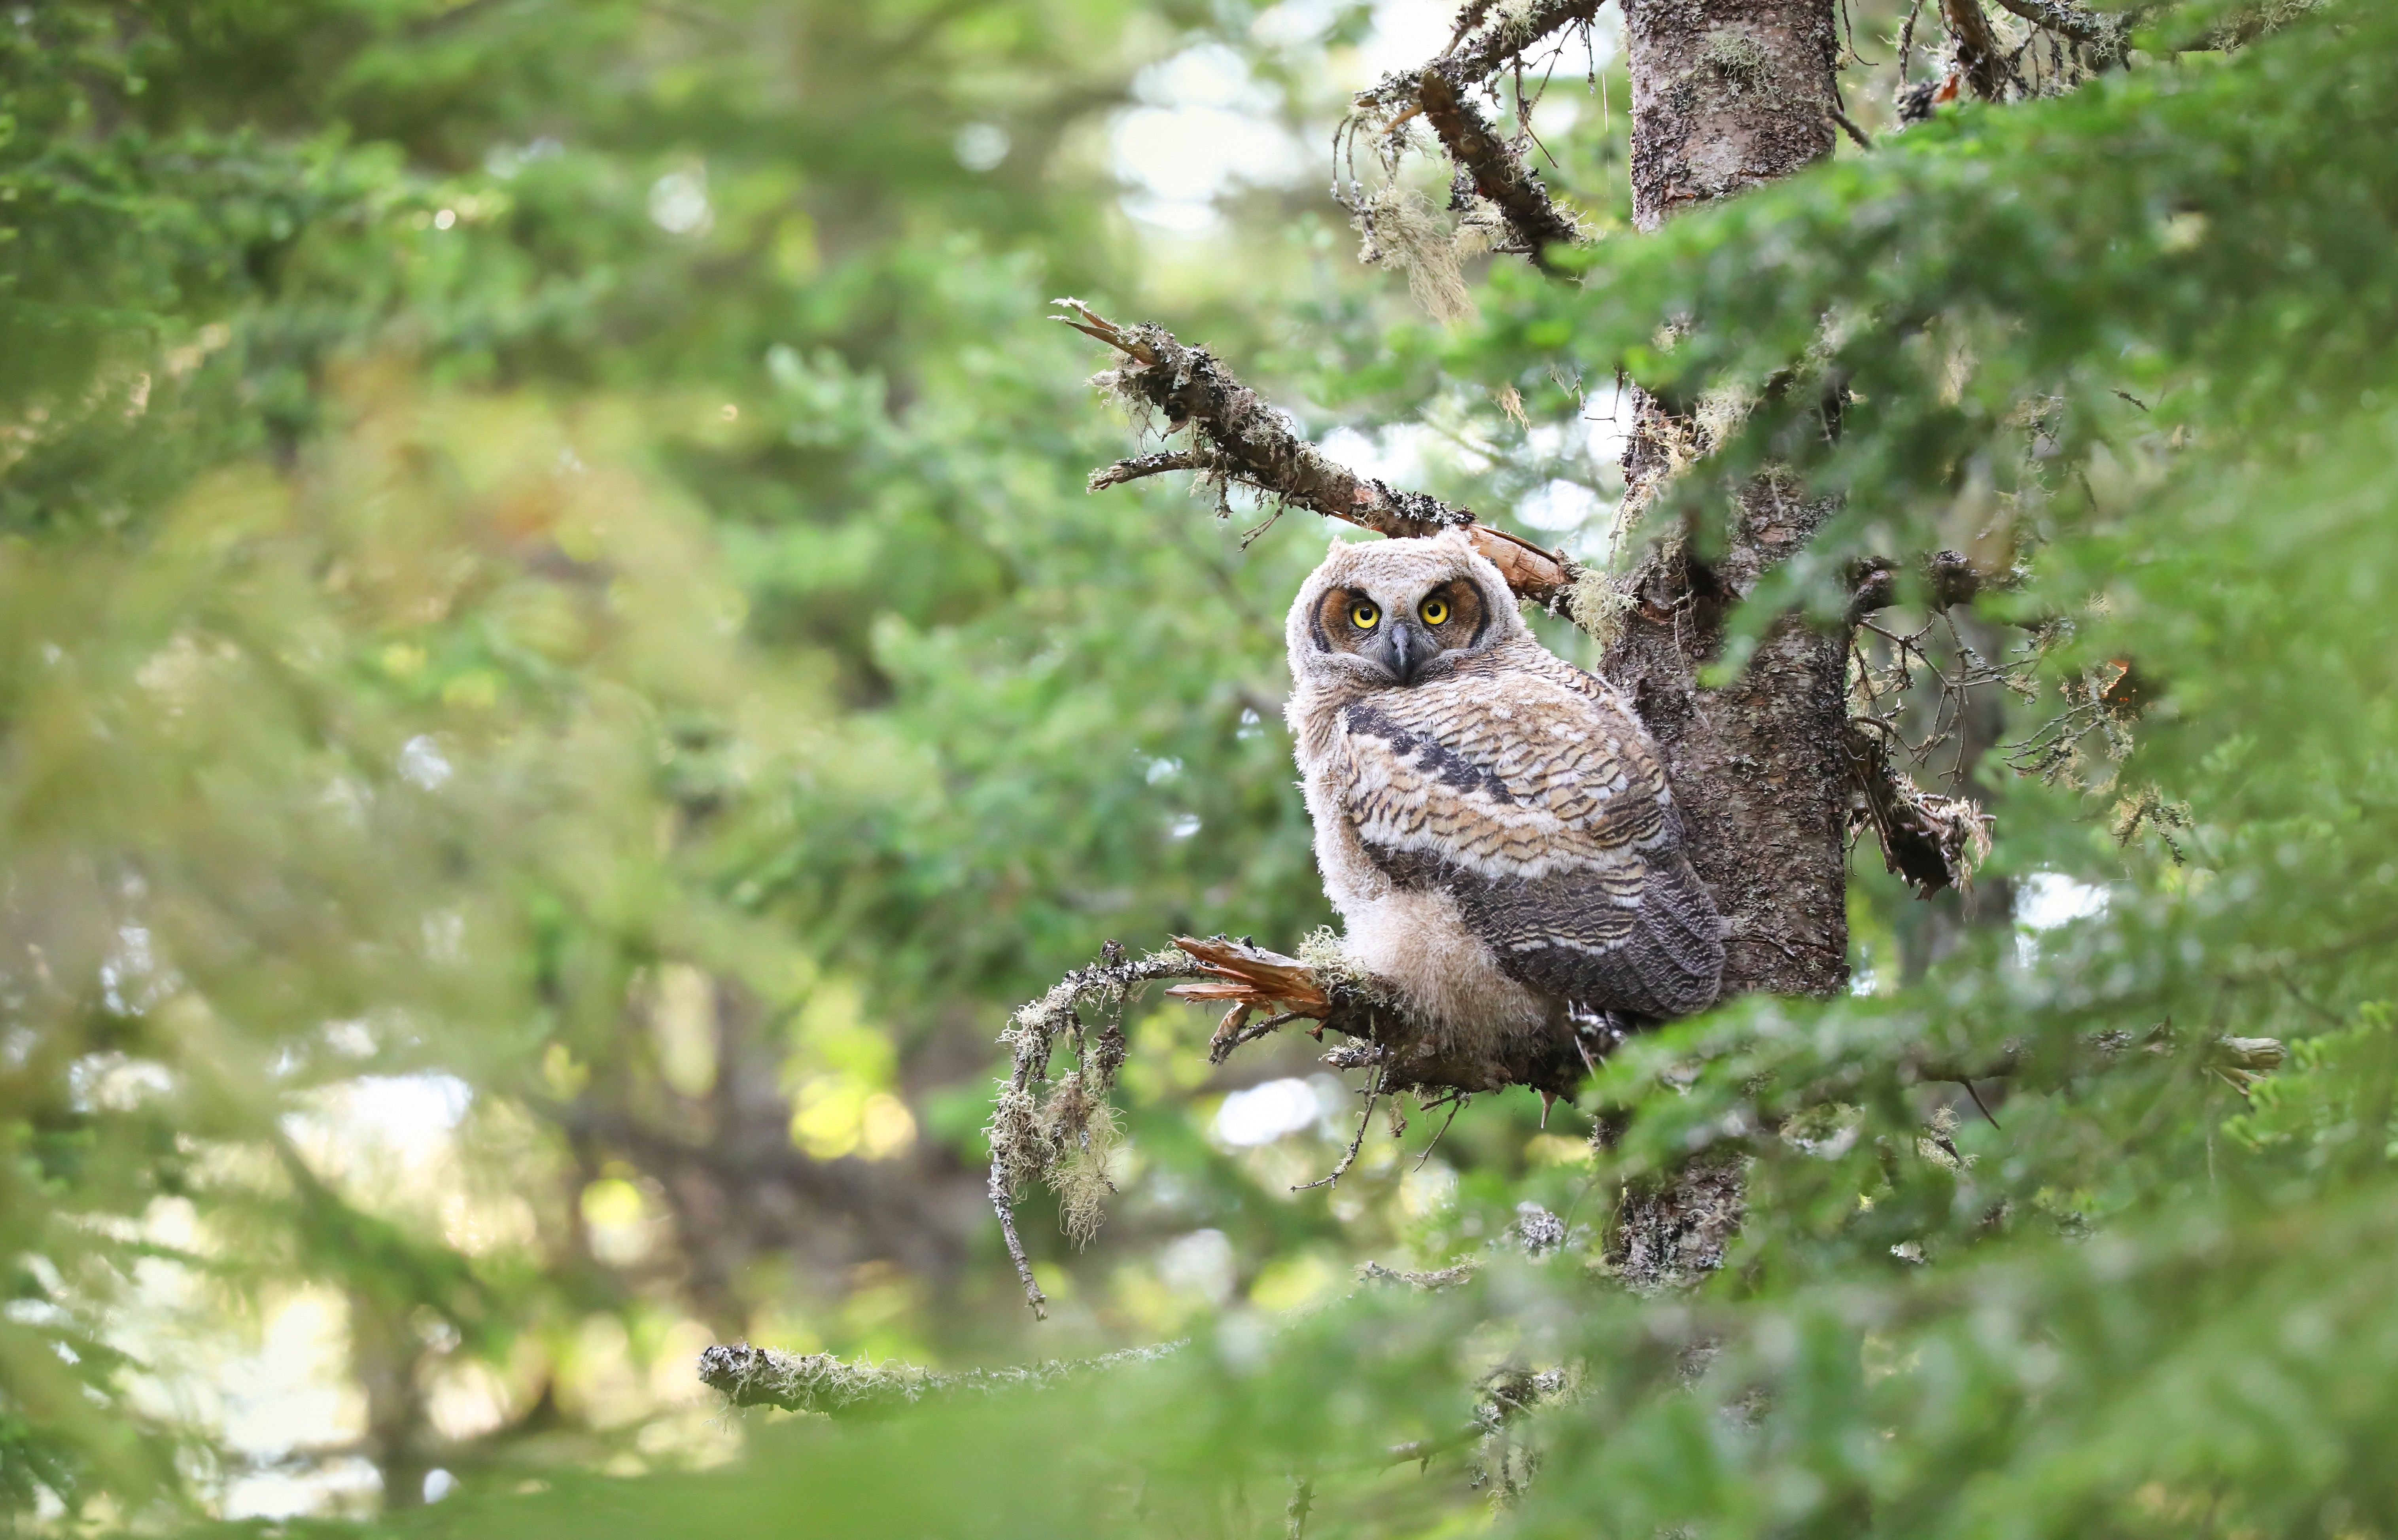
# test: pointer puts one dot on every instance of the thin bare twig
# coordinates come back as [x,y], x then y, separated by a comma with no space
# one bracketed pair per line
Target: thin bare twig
[1034,1297]
[1365,1121]
[1456,1106]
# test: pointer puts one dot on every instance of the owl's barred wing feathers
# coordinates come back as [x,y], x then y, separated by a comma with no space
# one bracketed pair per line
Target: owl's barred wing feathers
[1539,805]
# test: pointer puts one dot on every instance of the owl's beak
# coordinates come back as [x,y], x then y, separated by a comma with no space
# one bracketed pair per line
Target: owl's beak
[1405,652]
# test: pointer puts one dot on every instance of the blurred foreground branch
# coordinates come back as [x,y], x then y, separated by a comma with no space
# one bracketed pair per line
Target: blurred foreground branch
[750,1376]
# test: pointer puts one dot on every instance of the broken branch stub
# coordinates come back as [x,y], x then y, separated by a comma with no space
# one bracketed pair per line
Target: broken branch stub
[1411,1055]
[1238,436]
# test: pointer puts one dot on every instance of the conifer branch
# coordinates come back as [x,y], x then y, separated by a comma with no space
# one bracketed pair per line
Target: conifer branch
[2071,21]
[1486,44]
[1241,437]
[748,1376]
[1977,48]
[1496,171]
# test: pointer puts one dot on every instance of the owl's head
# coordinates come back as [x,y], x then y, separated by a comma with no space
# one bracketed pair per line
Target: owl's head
[1389,614]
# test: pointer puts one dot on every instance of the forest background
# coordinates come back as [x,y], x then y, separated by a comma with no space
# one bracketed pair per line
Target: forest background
[559,682]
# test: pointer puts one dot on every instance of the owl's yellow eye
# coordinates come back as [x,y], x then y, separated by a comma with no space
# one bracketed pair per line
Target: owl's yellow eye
[1434,611]
[1364,616]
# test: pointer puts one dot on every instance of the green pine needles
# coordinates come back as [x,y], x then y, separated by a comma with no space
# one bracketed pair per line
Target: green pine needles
[351,724]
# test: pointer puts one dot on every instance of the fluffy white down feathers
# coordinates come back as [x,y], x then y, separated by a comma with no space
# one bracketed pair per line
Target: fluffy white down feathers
[1492,824]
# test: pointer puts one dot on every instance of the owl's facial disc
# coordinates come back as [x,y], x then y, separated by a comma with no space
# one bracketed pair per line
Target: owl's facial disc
[1404,642]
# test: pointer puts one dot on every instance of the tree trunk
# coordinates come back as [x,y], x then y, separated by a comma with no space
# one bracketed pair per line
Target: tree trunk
[384,1351]
[1727,94]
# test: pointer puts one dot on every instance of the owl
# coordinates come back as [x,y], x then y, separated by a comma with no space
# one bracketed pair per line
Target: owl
[1493,824]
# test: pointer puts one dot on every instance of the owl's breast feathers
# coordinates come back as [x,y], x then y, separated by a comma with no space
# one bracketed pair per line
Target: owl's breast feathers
[1522,788]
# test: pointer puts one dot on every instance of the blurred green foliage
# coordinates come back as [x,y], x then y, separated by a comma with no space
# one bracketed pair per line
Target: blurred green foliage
[549,609]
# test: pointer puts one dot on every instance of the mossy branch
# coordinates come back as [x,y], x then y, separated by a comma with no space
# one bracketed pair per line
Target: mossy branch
[1066,1137]
[1933,841]
[748,1376]
[1494,39]
[1497,172]
[1239,438]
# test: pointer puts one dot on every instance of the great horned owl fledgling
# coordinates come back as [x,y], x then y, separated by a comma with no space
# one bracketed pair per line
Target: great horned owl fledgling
[1492,823]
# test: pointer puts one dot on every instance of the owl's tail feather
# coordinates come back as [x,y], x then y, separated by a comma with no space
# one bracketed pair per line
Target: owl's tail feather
[1678,945]
[1672,963]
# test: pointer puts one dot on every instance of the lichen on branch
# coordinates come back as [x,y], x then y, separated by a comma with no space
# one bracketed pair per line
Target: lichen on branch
[1062,1130]
[820,1383]
[1238,437]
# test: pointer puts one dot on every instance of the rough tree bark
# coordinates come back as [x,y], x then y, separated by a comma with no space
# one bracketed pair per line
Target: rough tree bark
[1727,94]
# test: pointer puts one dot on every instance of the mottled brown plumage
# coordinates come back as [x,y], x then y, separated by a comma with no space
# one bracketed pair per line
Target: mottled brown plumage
[1493,824]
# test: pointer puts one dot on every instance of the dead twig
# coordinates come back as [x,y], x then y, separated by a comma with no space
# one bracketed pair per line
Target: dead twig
[1246,441]
[1365,1121]
[1977,48]
[1140,466]
[1496,171]
[748,1376]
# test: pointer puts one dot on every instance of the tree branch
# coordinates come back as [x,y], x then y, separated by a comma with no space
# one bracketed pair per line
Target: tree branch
[1949,580]
[1412,1056]
[1977,48]
[1933,841]
[1064,1139]
[1248,441]
[1140,466]
[1497,172]
[749,1376]
[2083,26]
[1487,46]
